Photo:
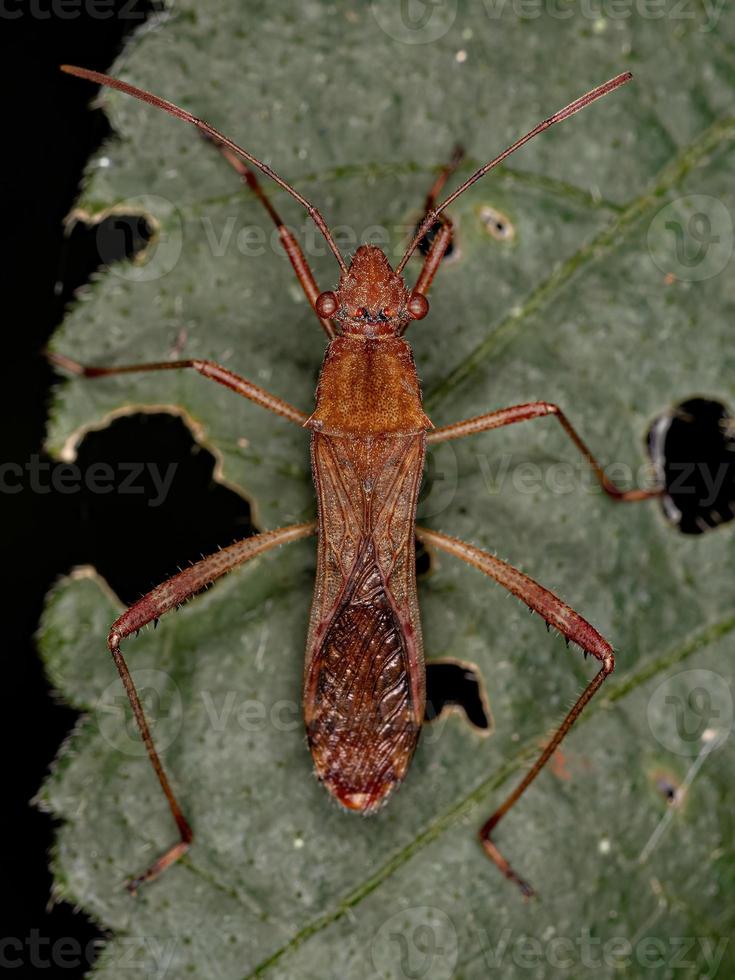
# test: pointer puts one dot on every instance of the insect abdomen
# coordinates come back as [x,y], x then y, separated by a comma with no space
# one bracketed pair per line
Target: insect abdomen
[362,726]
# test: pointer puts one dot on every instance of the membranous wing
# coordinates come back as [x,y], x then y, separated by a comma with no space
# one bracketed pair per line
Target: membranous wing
[364,684]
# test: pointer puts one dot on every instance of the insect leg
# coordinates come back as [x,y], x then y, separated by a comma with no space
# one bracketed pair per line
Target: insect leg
[557,614]
[534,410]
[206,368]
[150,608]
[290,245]
[444,174]
[442,230]
[436,253]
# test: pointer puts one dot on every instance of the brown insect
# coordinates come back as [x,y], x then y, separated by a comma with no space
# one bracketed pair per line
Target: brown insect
[364,680]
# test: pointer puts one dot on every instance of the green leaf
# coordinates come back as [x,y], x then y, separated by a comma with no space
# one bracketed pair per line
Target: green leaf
[574,306]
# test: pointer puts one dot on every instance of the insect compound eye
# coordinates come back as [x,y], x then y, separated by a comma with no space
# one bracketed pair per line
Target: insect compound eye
[360,312]
[418,306]
[326,304]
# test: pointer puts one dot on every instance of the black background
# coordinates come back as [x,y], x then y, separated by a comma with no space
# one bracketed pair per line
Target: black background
[49,131]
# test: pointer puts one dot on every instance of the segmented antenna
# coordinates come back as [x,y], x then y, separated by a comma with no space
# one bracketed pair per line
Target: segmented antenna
[204,127]
[564,113]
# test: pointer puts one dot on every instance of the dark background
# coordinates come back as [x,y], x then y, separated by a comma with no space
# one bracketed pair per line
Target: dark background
[49,131]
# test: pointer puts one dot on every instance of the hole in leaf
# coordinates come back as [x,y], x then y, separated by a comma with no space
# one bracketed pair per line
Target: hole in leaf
[692,448]
[94,245]
[497,224]
[667,787]
[149,502]
[451,684]
[122,236]
[428,240]
[423,560]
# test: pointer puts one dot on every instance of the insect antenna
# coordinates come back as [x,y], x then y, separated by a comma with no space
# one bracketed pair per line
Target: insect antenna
[564,113]
[204,127]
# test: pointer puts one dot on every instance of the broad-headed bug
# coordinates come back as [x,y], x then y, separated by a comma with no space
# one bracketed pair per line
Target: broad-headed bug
[364,680]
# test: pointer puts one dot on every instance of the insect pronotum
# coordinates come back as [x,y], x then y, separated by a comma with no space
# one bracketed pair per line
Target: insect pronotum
[364,678]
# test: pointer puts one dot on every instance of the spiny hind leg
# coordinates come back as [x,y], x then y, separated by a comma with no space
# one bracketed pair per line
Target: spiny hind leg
[150,608]
[574,628]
